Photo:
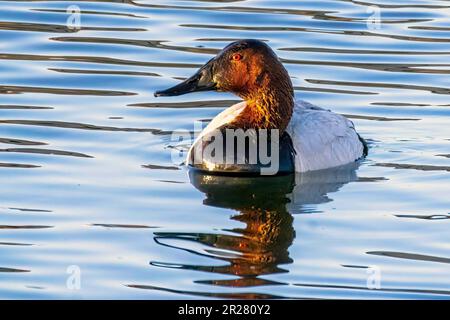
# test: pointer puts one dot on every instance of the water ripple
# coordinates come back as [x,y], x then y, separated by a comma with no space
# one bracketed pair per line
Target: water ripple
[77,106]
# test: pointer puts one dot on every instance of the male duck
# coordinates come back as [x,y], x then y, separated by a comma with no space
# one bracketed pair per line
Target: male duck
[312,138]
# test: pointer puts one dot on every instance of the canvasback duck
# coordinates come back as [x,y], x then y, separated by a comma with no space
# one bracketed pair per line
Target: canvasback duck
[309,138]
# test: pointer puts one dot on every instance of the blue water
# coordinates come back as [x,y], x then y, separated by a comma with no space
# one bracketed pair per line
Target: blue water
[88,181]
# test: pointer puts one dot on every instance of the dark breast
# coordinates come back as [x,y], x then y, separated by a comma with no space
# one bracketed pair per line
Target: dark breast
[223,154]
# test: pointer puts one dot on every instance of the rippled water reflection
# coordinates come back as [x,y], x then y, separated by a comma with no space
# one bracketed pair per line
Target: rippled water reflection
[88,180]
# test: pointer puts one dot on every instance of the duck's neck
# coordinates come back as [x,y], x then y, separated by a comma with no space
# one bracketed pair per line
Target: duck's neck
[269,104]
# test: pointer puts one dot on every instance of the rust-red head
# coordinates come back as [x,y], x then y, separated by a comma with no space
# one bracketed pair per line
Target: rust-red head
[251,70]
[243,67]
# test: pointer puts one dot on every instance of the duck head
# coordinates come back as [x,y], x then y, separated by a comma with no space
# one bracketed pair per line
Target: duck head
[251,70]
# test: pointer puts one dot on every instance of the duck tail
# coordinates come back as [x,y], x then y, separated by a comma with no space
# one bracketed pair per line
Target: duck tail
[365,147]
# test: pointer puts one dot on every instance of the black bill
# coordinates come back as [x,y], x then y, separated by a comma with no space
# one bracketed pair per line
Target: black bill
[202,80]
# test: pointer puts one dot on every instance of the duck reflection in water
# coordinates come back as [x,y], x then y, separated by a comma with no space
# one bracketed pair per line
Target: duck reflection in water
[265,205]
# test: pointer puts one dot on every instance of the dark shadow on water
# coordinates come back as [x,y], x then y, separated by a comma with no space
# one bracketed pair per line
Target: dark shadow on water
[264,205]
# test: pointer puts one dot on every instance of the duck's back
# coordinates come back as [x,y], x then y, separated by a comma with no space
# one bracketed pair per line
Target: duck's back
[322,139]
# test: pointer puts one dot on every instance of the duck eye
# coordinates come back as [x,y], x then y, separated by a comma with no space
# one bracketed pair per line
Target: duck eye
[236,57]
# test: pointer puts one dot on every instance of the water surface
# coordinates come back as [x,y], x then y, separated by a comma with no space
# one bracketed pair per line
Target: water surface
[88,179]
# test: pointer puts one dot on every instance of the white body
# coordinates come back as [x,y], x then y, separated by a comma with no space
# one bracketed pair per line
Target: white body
[322,139]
